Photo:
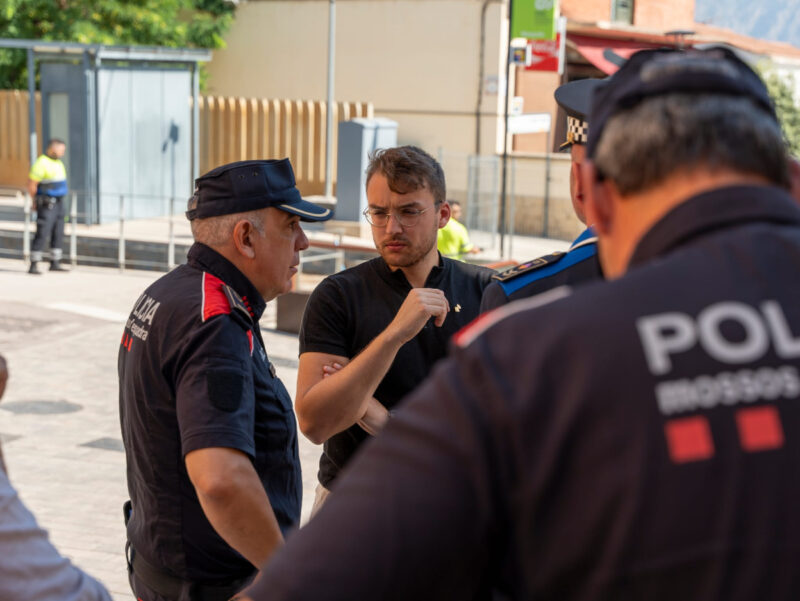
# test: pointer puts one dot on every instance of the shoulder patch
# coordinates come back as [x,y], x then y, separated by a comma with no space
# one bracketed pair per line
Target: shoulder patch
[215,302]
[221,299]
[529,266]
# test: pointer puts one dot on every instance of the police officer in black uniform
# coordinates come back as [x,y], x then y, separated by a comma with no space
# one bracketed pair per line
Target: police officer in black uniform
[580,262]
[658,462]
[209,432]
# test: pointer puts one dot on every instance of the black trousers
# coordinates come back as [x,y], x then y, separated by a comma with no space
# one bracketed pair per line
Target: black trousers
[50,213]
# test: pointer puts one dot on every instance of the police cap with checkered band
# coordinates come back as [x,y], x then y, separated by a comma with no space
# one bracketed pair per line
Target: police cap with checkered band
[575,98]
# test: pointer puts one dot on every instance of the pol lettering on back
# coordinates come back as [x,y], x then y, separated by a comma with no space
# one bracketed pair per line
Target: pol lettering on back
[667,334]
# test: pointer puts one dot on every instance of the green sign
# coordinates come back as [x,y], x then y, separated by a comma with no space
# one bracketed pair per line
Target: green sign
[533,19]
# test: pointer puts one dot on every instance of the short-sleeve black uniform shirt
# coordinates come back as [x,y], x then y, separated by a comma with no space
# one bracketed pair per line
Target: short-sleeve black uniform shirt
[658,463]
[193,374]
[348,309]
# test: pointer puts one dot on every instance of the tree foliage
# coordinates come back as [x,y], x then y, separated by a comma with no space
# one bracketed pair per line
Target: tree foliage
[780,88]
[171,23]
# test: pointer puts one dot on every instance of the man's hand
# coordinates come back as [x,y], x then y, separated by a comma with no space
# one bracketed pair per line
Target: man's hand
[420,305]
[328,405]
[375,416]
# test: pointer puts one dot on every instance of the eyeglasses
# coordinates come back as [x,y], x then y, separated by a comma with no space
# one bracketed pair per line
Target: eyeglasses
[406,217]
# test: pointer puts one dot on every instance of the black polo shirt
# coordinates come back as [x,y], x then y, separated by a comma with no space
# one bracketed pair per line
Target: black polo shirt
[193,374]
[657,463]
[349,309]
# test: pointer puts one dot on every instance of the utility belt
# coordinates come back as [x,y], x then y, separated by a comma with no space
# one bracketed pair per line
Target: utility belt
[48,201]
[172,587]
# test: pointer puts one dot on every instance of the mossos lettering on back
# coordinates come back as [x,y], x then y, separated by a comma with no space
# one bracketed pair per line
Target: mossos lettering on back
[666,335]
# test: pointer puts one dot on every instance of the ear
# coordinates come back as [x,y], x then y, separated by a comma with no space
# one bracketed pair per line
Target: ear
[794,177]
[579,197]
[596,198]
[243,233]
[444,214]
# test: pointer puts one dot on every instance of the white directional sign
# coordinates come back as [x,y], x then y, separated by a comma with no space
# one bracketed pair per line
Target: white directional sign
[530,123]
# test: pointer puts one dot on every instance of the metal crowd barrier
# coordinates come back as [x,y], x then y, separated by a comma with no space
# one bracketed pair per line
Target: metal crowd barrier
[337,247]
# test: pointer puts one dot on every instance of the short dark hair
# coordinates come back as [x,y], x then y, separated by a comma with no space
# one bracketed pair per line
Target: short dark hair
[454,203]
[52,141]
[683,131]
[407,169]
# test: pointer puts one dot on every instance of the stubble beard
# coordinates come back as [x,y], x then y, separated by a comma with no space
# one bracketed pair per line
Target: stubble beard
[415,254]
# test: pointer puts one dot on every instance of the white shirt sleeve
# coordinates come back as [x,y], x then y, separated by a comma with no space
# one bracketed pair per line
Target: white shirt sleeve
[30,566]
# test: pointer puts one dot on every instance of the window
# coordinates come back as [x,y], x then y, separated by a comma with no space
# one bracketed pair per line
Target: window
[622,11]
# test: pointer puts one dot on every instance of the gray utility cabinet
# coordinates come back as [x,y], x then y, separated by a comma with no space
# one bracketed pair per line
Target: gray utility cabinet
[357,139]
[128,137]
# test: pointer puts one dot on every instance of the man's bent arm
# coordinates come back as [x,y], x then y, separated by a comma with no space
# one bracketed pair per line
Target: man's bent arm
[234,501]
[326,406]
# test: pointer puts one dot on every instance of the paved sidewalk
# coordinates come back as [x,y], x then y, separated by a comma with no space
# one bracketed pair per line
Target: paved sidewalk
[59,421]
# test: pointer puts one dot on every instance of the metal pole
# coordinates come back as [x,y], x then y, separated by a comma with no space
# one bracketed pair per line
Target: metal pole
[73,235]
[88,133]
[513,211]
[340,256]
[546,228]
[26,239]
[96,142]
[31,105]
[195,126]
[505,134]
[171,243]
[331,106]
[121,251]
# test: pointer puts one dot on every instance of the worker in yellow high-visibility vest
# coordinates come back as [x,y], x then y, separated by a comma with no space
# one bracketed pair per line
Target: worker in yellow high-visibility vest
[453,239]
[47,185]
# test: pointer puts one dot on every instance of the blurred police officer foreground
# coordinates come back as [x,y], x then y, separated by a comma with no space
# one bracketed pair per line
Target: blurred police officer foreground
[657,462]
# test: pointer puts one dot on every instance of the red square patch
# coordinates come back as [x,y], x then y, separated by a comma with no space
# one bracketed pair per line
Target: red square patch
[689,439]
[759,429]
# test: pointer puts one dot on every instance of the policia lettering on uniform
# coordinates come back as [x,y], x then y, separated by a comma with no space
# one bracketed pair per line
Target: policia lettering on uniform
[714,330]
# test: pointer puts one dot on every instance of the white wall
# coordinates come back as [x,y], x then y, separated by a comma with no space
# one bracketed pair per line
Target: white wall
[417,61]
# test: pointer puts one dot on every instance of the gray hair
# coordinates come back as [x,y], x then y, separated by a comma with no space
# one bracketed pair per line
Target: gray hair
[216,231]
[642,146]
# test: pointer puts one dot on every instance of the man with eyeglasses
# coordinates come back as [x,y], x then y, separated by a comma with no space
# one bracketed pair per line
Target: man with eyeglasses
[370,334]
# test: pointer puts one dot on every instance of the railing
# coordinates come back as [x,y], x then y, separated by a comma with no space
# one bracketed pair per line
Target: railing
[122,261]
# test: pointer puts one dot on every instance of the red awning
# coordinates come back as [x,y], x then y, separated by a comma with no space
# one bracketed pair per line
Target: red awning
[606,53]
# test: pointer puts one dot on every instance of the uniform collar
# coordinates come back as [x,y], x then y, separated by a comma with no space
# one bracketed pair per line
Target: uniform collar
[588,236]
[398,279]
[207,259]
[712,211]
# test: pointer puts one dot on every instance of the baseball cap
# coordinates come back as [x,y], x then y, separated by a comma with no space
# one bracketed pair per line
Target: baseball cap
[575,98]
[650,73]
[249,186]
